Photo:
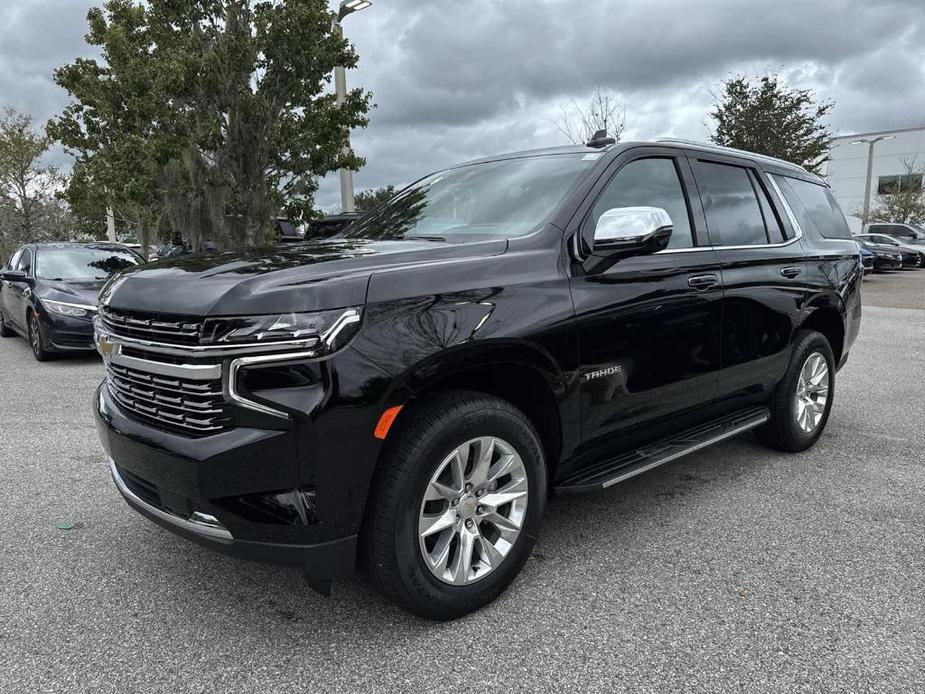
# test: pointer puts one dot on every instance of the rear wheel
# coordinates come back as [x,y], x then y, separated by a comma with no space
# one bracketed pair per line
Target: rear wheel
[803,400]
[36,340]
[457,506]
[5,330]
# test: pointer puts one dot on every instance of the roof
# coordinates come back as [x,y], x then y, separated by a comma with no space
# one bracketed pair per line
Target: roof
[687,144]
[100,245]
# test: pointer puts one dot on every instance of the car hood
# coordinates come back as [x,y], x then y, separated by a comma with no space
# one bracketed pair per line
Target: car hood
[310,276]
[74,292]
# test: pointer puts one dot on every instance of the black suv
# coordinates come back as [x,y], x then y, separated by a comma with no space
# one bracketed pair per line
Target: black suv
[411,392]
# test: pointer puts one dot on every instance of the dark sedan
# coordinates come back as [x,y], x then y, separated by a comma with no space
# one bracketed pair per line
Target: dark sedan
[49,291]
[913,256]
[885,258]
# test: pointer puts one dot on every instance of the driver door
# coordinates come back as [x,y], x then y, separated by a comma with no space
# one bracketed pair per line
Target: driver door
[649,326]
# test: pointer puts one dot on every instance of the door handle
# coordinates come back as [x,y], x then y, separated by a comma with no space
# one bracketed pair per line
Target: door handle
[790,272]
[702,282]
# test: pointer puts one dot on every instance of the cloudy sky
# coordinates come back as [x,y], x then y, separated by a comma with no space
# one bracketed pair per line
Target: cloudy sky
[454,80]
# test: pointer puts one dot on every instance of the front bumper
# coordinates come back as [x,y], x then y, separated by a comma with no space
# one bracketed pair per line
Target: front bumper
[66,334]
[237,492]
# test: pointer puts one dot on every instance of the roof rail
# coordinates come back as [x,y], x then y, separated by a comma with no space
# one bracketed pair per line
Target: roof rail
[731,150]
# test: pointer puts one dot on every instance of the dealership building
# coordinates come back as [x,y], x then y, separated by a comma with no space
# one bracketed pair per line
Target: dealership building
[846,170]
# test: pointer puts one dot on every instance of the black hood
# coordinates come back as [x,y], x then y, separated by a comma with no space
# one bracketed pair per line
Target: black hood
[309,276]
[74,292]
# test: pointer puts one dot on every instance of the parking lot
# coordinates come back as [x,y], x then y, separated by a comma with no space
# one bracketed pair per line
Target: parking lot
[734,569]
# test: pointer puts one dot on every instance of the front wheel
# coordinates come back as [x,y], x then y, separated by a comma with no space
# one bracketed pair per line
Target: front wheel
[457,505]
[36,340]
[801,404]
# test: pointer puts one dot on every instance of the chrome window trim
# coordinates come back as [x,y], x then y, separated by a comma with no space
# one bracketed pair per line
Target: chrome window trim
[230,384]
[198,523]
[798,231]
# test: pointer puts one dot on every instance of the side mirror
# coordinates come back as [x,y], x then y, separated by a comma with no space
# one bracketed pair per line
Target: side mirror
[632,231]
[14,276]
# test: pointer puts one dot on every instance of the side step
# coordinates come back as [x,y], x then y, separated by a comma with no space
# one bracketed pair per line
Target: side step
[635,462]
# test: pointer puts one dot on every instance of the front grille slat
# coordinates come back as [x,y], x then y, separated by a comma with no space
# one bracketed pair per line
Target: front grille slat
[185,407]
[156,327]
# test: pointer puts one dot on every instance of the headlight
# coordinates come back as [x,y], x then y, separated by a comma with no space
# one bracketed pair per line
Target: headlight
[70,310]
[334,328]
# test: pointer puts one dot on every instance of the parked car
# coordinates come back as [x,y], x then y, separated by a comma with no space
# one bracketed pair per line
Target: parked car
[907,233]
[867,259]
[885,257]
[912,256]
[414,389]
[48,293]
[332,224]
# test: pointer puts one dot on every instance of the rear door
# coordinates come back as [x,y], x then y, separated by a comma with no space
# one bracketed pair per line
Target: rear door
[18,293]
[6,288]
[649,325]
[763,272]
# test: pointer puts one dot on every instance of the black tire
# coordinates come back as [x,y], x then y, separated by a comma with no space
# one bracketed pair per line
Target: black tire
[37,340]
[5,330]
[783,431]
[427,432]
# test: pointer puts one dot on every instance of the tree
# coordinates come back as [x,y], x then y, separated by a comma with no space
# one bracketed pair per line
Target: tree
[214,113]
[26,185]
[905,201]
[768,118]
[603,111]
[368,200]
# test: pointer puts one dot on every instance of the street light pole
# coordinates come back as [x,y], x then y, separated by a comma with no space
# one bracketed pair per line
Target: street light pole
[340,90]
[870,142]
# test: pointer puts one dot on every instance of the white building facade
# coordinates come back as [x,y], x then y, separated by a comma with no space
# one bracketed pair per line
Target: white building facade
[846,170]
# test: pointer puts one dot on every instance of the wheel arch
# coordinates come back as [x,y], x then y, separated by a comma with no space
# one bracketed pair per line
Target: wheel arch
[828,317]
[517,372]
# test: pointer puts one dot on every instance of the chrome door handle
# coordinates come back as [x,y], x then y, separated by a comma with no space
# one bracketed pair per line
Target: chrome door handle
[790,272]
[702,281]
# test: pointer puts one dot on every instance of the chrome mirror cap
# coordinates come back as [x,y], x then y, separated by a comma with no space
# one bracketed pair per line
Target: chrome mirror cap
[625,227]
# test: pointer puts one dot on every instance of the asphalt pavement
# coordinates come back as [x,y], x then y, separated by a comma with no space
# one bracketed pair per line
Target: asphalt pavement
[737,569]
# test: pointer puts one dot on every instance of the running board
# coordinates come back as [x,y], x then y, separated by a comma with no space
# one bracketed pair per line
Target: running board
[635,462]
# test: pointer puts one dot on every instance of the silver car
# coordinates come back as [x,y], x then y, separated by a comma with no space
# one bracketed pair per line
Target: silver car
[913,256]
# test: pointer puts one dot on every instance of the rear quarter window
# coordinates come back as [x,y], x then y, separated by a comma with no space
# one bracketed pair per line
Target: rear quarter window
[815,206]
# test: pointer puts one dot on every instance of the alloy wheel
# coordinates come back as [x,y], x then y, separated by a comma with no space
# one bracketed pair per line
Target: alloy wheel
[35,340]
[812,392]
[473,510]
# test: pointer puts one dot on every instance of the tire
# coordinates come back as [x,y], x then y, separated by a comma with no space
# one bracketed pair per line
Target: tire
[5,330]
[787,429]
[36,340]
[430,432]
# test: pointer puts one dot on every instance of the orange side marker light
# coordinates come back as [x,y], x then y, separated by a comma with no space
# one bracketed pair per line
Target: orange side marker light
[385,421]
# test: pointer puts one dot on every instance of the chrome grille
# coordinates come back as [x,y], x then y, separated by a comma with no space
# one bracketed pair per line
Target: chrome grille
[157,327]
[193,408]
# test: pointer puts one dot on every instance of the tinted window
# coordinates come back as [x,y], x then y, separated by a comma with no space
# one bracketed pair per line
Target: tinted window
[878,228]
[900,231]
[649,183]
[14,260]
[82,263]
[817,205]
[771,220]
[730,204]
[25,261]
[495,199]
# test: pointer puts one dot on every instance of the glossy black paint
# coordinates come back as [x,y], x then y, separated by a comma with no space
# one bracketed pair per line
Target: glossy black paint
[601,353]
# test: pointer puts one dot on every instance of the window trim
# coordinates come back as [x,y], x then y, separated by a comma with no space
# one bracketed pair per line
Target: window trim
[677,160]
[797,229]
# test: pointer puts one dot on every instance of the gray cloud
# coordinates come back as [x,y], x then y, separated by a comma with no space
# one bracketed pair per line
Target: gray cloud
[458,79]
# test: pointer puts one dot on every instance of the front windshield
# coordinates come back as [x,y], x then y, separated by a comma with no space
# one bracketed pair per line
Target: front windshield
[498,199]
[82,263]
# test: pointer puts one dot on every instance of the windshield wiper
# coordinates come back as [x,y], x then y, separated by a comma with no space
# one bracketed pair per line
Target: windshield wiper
[425,238]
